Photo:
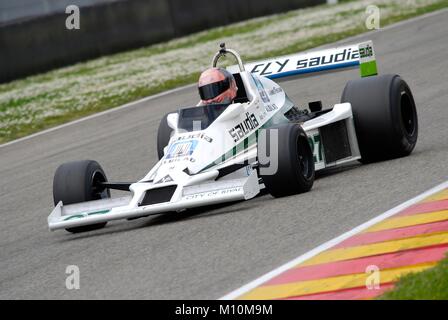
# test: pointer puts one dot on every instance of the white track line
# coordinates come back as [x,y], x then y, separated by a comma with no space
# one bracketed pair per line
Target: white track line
[395,25]
[327,245]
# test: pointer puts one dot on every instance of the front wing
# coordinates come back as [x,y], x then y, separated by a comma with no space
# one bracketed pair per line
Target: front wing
[97,211]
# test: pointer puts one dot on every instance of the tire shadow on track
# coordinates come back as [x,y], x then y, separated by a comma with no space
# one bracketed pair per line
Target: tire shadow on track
[161,219]
[331,171]
[194,213]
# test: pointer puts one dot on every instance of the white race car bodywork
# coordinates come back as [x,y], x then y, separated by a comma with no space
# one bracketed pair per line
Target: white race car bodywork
[189,174]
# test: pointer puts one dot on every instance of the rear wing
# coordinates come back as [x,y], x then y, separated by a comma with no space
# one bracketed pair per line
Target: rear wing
[352,56]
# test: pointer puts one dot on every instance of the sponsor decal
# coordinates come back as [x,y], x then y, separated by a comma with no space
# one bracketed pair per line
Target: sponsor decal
[199,135]
[366,52]
[367,61]
[175,160]
[264,96]
[311,60]
[264,69]
[166,178]
[215,193]
[181,149]
[271,107]
[345,55]
[243,128]
[275,90]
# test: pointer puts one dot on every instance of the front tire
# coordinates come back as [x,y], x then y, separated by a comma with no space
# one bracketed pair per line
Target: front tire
[78,181]
[385,116]
[295,170]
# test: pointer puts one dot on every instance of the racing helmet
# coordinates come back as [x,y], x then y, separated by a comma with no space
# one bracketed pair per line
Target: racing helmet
[217,85]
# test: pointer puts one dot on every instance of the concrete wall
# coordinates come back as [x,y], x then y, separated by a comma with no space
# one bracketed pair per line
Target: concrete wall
[13,10]
[37,40]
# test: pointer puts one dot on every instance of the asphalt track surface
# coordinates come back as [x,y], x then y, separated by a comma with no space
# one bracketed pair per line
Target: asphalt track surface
[206,253]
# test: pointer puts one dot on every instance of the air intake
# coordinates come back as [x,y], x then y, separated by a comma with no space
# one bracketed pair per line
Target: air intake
[158,195]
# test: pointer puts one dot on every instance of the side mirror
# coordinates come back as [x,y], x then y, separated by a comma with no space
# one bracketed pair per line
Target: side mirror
[233,111]
[172,120]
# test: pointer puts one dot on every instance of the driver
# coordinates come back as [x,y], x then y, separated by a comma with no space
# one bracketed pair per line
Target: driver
[216,85]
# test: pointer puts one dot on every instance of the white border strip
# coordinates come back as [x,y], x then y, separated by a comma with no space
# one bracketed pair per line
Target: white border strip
[99,114]
[327,245]
[394,25]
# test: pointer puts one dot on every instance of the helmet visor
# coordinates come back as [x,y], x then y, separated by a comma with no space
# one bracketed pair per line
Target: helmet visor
[212,90]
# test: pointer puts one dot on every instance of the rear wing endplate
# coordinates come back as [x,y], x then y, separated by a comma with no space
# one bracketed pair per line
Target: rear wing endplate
[352,56]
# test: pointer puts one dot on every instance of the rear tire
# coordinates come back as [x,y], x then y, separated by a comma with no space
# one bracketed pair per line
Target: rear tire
[76,182]
[385,116]
[295,171]
[163,136]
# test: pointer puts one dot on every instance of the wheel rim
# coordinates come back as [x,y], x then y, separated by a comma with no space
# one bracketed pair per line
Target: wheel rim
[408,116]
[304,161]
[99,192]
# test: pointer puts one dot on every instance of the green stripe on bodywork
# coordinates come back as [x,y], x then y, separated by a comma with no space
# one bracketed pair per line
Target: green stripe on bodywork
[239,148]
[250,140]
[83,215]
[368,69]
[75,216]
[98,212]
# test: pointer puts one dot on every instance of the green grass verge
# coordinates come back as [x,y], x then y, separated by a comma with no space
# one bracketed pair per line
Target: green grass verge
[49,99]
[431,284]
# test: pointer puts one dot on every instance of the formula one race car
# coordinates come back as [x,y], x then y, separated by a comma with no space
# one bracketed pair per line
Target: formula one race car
[220,153]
